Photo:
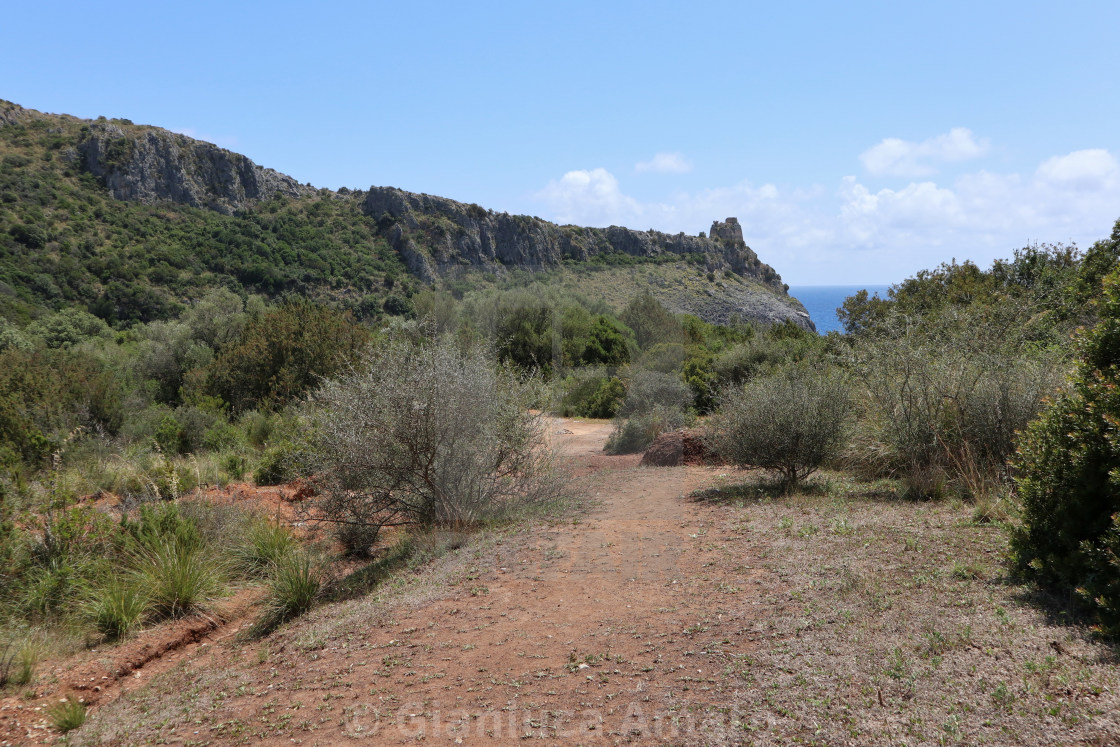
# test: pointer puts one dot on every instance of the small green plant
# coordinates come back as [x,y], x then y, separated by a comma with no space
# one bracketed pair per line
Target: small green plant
[1002,695]
[67,715]
[265,544]
[116,608]
[17,663]
[294,586]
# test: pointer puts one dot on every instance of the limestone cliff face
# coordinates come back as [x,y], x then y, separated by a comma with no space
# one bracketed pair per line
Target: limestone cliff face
[147,164]
[434,234]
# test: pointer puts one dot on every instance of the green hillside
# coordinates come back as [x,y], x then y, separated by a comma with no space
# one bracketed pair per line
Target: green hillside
[65,240]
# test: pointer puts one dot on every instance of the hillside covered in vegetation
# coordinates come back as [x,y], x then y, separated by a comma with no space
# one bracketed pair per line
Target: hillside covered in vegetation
[133,223]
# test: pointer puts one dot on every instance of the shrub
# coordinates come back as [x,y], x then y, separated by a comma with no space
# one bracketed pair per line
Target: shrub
[651,322]
[606,344]
[425,435]
[593,395]
[282,354]
[276,465]
[635,434]
[944,399]
[1069,476]
[655,402]
[791,422]
[651,390]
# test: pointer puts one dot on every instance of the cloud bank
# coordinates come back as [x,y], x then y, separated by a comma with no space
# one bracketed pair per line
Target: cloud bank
[849,232]
[894,157]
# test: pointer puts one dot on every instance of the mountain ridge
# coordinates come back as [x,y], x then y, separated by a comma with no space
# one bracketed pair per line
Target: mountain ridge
[434,237]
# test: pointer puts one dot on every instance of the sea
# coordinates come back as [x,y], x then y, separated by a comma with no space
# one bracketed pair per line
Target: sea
[821,301]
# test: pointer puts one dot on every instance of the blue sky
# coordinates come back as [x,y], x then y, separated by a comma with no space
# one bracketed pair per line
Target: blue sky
[856,142]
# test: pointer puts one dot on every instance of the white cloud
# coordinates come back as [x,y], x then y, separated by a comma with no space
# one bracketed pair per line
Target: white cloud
[590,197]
[1083,170]
[850,233]
[664,163]
[895,157]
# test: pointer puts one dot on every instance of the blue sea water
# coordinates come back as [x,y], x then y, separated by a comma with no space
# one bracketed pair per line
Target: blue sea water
[821,301]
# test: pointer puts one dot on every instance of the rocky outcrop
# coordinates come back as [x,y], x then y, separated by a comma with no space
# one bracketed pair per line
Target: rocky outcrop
[146,164]
[436,233]
[728,231]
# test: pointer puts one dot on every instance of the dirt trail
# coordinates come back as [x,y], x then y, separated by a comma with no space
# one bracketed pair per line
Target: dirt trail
[632,622]
[625,625]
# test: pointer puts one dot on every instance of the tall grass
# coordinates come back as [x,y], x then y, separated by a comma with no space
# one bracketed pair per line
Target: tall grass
[180,578]
[264,545]
[295,584]
[117,608]
[17,662]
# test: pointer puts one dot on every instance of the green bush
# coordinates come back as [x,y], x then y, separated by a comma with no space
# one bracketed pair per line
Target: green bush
[283,354]
[46,394]
[791,422]
[650,390]
[592,396]
[651,322]
[276,465]
[1068,476]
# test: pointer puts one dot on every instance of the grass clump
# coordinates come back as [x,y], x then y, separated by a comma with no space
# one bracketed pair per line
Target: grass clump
[117,608]
[294,586]
[180,578]
[264,545]
[67,715]
[17,662]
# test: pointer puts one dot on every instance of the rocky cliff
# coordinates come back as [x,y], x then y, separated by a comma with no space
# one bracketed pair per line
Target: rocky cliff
[434,234]
[147,164]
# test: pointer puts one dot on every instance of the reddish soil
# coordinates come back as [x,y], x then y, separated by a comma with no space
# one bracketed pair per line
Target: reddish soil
[101,675]
[624,624]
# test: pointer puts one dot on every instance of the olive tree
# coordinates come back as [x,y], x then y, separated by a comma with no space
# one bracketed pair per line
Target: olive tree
[424,435]
[792,422]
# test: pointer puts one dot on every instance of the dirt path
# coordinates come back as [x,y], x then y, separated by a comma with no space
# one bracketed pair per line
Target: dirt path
[625,624]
